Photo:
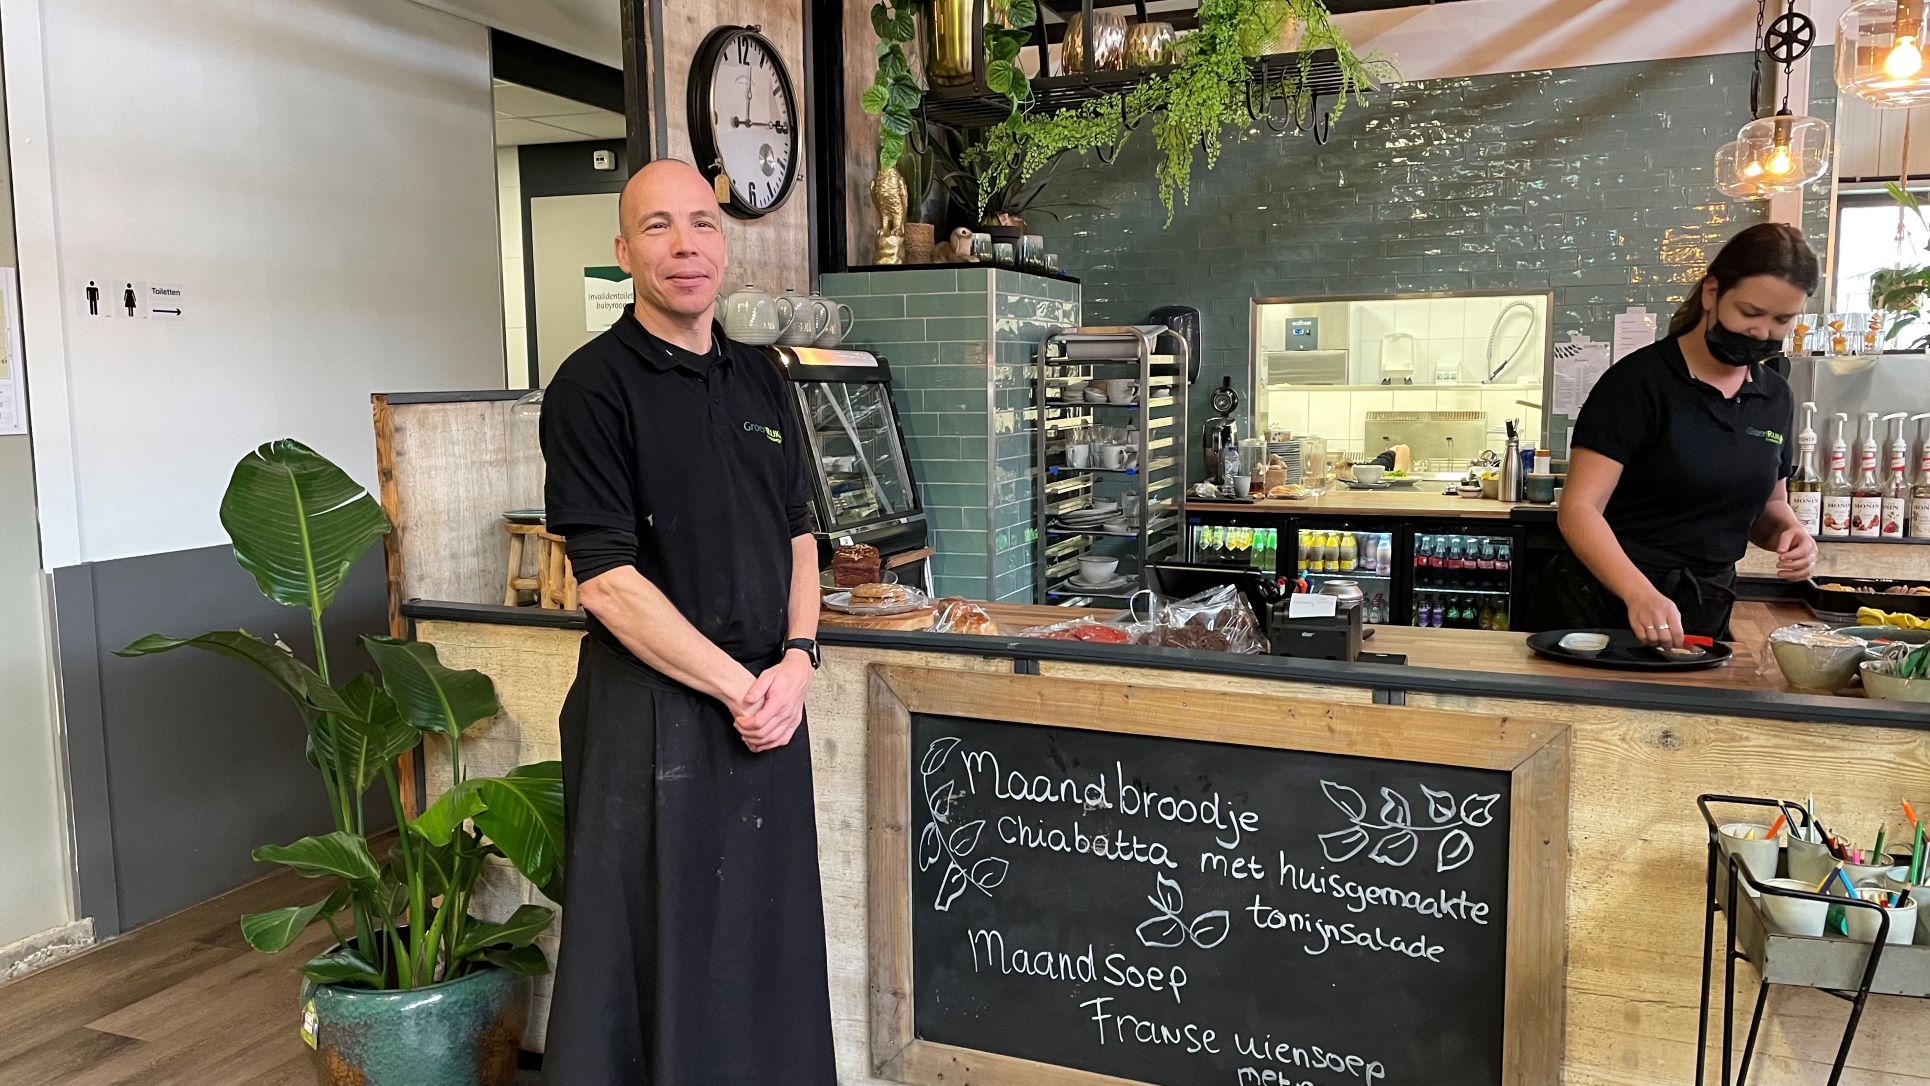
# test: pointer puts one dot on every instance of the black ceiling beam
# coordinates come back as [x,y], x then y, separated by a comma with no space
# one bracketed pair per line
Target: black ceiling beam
[539,67]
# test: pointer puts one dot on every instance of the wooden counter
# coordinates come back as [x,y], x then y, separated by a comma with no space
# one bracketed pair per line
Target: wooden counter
[1484,651]
[1420,500]
[1642,752]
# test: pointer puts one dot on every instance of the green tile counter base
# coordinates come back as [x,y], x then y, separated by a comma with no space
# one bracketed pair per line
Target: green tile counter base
[960,339]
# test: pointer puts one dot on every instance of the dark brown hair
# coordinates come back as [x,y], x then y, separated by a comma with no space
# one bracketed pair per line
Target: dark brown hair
[1770,248]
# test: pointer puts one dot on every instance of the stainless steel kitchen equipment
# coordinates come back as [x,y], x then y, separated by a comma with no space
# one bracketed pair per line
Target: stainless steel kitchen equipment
[1083,508]
[1445,440]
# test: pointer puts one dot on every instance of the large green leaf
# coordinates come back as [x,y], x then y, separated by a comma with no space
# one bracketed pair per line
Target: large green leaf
[521,929]
[277,664]
[523,817]
[272,931]
[298,523]
[370,732]
[343,966]
[432,697]
[343,855]
[450,810]
[530,961]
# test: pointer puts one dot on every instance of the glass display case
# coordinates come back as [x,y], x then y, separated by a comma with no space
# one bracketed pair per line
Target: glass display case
[862,485]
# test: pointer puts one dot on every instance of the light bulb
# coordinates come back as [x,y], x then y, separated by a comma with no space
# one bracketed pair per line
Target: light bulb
[1779,162]
[1904,59]
[1754,169]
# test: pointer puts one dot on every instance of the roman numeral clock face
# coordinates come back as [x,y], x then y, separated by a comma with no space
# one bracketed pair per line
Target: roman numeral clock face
[752,122]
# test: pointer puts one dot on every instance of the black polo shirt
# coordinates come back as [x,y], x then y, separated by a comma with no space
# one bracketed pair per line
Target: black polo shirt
[701,458]
[1697,468]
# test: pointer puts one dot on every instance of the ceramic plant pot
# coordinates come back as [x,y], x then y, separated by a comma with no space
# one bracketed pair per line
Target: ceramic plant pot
[463,1032]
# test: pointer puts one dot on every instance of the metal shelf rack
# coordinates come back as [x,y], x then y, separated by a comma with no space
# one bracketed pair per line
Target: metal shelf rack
[1155,358]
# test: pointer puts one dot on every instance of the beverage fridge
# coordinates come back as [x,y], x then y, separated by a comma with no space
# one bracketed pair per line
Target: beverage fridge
[1444,574]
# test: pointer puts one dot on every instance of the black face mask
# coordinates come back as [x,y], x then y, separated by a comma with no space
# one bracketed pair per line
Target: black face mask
[1736,349]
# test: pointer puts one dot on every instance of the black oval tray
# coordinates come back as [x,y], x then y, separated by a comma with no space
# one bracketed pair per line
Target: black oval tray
[1625,652]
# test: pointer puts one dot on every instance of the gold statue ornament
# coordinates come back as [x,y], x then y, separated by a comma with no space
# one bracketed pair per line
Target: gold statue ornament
[888,196]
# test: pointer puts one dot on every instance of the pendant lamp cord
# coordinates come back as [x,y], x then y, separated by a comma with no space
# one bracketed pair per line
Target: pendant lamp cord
[1755,70]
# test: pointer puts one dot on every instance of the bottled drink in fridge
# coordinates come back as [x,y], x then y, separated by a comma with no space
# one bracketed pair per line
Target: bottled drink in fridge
[1349,552]
[1384,554]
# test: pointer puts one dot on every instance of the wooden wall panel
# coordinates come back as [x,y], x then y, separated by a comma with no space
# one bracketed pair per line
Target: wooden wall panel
[860,131]
[773,252]
[450,485]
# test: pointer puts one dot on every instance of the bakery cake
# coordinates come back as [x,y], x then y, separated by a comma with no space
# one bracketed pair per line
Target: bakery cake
[855,565]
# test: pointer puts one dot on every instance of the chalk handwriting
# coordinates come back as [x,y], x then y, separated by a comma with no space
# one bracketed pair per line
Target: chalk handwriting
[990,952]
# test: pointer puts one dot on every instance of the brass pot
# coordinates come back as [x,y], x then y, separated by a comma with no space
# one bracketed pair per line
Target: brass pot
[1149,45]
[1108,44]
[948,42]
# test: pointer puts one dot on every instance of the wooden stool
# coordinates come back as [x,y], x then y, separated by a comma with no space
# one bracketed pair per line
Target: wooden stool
[554,585]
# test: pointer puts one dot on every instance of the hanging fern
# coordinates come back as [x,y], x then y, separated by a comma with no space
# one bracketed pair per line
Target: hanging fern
[1196,102]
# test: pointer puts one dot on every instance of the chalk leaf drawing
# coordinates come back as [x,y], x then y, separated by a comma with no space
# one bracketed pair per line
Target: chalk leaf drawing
[1394,835]
[954,846]
[1169,929]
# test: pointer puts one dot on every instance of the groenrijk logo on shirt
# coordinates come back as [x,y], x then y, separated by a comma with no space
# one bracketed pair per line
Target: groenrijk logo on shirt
[1770,436]
[769,432]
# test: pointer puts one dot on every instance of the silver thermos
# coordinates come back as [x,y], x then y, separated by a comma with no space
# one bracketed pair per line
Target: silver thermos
[1511,466]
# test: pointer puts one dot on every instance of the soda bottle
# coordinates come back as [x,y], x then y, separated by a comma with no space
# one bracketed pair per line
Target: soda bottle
[1304,554]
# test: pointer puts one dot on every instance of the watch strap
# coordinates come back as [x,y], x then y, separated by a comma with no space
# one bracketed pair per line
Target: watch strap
[809,648]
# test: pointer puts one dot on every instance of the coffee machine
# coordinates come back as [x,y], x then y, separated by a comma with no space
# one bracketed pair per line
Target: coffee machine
[1221,430]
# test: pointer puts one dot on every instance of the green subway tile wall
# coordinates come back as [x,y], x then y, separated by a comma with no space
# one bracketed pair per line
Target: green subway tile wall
[1594,182]
[960,343]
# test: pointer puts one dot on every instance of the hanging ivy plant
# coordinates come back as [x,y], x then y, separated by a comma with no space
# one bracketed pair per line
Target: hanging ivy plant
[894,93]
[1203,96]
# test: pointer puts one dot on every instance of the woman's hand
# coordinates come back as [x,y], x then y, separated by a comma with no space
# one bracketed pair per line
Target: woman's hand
[1655,619]
[1795,554]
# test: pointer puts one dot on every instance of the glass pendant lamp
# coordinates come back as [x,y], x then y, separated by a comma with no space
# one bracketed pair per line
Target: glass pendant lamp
[1773,155]
[1880,53]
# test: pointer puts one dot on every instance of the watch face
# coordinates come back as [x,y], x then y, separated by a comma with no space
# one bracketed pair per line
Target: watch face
[754,122]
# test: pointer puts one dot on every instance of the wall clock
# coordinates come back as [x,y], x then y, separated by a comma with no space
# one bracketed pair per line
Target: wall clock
[744,119]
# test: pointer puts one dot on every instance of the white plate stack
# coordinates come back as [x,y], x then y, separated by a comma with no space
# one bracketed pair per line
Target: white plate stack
[1288,451]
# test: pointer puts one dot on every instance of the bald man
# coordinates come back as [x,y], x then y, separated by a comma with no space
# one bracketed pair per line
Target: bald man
[693,937]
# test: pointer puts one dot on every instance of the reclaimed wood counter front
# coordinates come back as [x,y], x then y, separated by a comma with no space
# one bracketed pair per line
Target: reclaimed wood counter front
[1640,753]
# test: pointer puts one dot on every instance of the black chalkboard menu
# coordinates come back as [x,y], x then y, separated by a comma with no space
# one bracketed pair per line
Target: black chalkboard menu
[1185,912]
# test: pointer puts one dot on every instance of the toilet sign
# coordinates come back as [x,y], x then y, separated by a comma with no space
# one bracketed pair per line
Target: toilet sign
[163,301]
[115,298]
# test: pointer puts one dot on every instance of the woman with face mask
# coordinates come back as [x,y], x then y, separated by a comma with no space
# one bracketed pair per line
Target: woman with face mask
[1681,455]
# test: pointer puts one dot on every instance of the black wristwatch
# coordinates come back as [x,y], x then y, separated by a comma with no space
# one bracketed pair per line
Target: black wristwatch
[809,647]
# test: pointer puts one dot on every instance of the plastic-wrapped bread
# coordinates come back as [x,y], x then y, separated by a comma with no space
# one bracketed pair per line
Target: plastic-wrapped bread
[959,615]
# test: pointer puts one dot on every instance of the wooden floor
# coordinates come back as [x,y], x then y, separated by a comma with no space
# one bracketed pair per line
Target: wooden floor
[180,1002]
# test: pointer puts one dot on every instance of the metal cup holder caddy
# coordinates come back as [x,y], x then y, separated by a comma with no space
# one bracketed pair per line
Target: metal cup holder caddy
[1845,968]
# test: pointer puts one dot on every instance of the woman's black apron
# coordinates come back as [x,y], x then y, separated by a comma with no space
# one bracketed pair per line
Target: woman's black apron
[693,932]
[1568,596]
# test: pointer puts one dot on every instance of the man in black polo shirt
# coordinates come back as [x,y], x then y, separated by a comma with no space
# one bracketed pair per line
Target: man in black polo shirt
[693,937]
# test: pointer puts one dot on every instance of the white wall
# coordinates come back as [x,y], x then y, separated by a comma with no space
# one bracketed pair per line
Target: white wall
[509,225]
[35,890]
[588,28]
[319,179]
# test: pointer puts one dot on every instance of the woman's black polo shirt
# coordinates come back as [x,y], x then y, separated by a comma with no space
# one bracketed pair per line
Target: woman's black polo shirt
[1697,469]
[700,457]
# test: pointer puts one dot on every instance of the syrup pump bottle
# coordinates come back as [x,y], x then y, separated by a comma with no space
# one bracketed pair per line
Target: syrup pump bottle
[1896,480]
[1806,486]
[1836,485]
[1866,493]
[1918,525]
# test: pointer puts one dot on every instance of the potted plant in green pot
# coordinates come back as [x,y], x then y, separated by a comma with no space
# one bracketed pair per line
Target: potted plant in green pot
[415,991]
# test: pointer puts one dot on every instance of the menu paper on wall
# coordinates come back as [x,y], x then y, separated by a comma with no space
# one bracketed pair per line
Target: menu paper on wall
[1634,330]
[13,391]
[1579,363]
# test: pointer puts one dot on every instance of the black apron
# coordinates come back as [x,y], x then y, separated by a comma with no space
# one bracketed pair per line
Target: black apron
[693,936]
[1568,596]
